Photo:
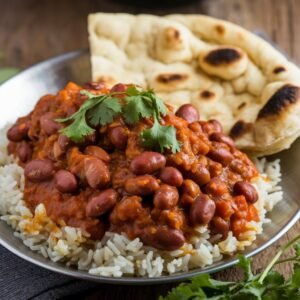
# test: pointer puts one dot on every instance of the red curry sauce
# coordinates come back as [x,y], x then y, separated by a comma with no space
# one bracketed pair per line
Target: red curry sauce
[109,182]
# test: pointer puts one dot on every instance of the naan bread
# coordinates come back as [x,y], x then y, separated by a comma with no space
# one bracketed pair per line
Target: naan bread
[228,73]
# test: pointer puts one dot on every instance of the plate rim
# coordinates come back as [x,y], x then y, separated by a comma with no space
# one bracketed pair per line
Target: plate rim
[64,270]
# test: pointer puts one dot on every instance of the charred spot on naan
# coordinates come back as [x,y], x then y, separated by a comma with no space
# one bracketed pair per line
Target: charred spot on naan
[281,100]
[239,129]
[171,78]
[222,56]
[206,95]
[224,62]
[220,29]
[172,37]
[279,69]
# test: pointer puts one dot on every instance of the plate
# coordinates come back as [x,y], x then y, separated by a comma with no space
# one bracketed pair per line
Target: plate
[18,96]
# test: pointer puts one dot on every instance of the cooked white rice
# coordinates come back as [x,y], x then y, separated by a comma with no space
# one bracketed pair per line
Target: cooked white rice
[115,255]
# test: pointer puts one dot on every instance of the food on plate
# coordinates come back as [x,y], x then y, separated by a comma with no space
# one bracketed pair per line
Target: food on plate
[226,72]
[117,182]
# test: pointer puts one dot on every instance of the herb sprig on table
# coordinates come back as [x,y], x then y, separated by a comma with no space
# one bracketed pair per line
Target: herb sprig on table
[136,105]
[268,285]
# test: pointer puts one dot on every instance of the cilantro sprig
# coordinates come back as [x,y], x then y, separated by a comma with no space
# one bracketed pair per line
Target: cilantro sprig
[136,105]
[98,110]
[268,285]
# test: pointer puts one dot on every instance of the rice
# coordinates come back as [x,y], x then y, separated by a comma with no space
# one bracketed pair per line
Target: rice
[116,255]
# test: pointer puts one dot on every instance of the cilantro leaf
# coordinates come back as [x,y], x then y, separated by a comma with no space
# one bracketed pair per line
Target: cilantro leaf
[136,108]
[78,130]
[245,264]
[104,112]
[98,110]
[160,137]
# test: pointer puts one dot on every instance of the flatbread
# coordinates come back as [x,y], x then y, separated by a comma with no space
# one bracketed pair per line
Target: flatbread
[228,73]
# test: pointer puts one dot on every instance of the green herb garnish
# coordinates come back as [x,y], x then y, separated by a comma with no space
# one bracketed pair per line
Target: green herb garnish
[146,104]
[136,105]
[268,285]
[96,109]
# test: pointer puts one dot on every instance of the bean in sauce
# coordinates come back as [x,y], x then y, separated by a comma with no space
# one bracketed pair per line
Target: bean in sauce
[148,162]
[39,170]
[171,176]
[65,181]
[188,112]
[142,185]
[166,197]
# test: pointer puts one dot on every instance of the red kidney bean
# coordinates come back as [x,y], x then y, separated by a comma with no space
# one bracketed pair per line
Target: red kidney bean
[148,162]
[39,170]
[102,203]
[216,187]
[247,190]
[188,112]
[201,175]
[221,155]
[64,142]
[166,197]
[97,152]
[216,125]
[18,132]
[168,239]
[202,210]
[171,176]
[96,172]
[94,85]
[118,137]
[222,138]
[65,181]
[219,225]
[190,190]
[119,87]
[143,185]
[48,124]
[24,151]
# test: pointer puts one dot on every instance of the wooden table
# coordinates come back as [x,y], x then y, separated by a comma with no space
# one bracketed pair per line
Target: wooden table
[31,31]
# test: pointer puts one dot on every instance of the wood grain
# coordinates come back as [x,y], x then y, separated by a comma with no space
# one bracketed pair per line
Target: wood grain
[31,31]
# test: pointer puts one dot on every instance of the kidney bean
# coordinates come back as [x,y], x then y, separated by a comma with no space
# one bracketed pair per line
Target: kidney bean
[247,190]
[190,190]
[171,176]
[65,181]
[147,162]
[64,142]
[202,210]
[96,172]
[94,85]
[118,136]
[222,138]
[166,197]
[143,185]
[39,170]
[188,112]
[168,239]
[119,87]
[221,155]
[200,175]
[219,225]
[97,152]
[216,125]
[216,187]
[48,124]
[102,203]
[18,132]
[24,151]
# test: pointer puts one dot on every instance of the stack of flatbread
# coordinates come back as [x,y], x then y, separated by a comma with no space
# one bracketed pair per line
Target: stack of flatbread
[228,73]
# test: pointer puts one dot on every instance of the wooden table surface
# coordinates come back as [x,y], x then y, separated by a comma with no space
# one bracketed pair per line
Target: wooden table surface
[31,31]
